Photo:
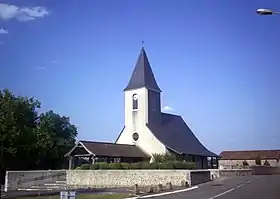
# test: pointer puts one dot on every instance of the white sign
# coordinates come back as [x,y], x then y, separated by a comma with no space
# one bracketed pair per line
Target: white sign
[67,195]
[71,195]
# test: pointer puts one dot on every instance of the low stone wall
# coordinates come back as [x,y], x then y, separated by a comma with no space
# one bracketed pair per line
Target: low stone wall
[128,178]
[235,172]
[265,170]
[25,179]
[216,173]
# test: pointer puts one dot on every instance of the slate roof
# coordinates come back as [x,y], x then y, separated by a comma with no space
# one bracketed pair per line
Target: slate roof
[142,75]
[175,134]
[250,155]
[113,149]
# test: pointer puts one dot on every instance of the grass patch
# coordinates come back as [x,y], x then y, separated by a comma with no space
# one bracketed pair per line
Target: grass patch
[83,196]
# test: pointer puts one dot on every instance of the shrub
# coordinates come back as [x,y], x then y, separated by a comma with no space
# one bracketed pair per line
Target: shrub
[266,163]
[184,165]
[85,166]
[139,165]
[144,165]
[125,165]
[135,165]
[115,166]
[103,165]
[163,158]
[191,165]
[168,165]
[258,160]
[94,166]
[157,158]
[153,166]
[169,158]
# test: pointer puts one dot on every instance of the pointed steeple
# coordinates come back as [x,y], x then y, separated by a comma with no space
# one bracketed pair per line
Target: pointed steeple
[142,75]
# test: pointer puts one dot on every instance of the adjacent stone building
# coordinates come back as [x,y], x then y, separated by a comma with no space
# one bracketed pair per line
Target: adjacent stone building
[147,130]
[240,159]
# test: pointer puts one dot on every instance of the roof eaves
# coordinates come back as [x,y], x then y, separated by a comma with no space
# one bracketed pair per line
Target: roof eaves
[79,143]
[90,152]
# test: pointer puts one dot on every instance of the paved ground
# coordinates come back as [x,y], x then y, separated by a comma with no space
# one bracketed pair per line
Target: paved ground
[247,187]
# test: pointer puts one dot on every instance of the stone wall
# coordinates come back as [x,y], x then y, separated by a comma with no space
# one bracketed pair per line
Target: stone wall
[26,179]
[238,164]
[127,178]
[216,173]
[235,172]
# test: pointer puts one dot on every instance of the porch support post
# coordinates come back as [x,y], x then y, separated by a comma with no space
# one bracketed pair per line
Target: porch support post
[70,162]
[92,159]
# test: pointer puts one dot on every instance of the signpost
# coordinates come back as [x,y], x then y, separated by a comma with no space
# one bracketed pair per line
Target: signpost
[67,195]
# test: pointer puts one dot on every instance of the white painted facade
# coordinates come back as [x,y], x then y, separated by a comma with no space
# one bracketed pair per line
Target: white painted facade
[135,122]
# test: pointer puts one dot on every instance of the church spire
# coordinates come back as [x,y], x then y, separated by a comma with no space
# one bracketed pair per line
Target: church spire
[142,75]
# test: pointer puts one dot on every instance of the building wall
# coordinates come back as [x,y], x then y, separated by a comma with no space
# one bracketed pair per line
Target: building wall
[236,164]
[128,178]
[135,121]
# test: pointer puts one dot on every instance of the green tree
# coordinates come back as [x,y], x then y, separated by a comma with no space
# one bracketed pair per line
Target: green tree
[56,136]
[30,141]
[18,120]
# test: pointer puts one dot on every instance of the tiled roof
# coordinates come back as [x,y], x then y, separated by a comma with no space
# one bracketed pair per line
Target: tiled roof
[114,150]
[175,134]
[250,154]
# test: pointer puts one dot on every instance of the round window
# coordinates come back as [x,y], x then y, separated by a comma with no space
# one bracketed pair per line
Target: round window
[135,136]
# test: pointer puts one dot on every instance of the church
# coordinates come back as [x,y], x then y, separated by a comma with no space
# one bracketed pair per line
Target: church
[146,130]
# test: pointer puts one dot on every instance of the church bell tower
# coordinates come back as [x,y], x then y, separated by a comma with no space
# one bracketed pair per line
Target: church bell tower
[142,97]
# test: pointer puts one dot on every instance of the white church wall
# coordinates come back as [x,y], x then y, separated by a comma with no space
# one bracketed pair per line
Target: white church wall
[135,122]
[147,141]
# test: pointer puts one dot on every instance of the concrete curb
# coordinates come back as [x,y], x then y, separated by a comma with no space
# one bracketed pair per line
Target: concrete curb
[165,193]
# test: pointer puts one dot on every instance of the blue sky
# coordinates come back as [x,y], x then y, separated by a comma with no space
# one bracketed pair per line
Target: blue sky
[217,63]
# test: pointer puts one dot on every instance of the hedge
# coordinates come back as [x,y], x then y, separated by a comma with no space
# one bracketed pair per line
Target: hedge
[140,165]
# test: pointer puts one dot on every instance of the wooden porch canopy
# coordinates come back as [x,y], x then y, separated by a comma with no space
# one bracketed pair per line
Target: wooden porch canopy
[103,149]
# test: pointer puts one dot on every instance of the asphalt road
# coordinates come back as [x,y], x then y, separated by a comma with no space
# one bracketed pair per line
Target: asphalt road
[242,187]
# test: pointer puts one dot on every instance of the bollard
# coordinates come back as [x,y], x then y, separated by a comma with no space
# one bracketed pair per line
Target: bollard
[150,190]
[136,189]
[160,188]
[169,186]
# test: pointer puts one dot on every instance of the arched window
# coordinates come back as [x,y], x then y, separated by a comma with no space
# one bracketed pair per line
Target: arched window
[135,102]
